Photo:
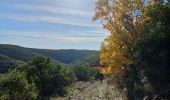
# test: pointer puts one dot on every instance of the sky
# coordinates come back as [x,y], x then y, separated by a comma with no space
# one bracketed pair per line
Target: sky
[50,24]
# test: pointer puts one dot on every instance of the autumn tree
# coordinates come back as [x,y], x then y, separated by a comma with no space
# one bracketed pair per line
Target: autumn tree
[124,19]
[136,26]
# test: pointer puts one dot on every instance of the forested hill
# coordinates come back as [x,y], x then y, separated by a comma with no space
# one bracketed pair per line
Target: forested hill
[16,54]
[65,55]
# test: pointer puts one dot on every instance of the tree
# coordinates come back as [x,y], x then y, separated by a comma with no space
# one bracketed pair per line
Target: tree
[49,79]
[83,71]
[153,50]
[137,46]
[15,86]
[38,79]
[124,20]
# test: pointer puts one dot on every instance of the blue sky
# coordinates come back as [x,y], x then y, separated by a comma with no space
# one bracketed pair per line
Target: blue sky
[50,24]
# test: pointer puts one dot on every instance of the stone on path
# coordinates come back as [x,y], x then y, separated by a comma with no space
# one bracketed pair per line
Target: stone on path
[94,91]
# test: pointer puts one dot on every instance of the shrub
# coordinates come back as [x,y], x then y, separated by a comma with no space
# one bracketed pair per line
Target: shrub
[38,79]
[84,72]
[15,86]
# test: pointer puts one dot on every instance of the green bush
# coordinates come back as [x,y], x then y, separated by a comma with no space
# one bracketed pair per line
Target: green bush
[38,79]
[84,72]
[15,86]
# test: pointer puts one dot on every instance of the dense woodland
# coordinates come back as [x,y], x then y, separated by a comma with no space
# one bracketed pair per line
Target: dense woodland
[137,49]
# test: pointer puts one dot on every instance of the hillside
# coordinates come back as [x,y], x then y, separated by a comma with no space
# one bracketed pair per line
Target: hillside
[6,63]
[92,60]
[10,54]
[16,52]
[65,55]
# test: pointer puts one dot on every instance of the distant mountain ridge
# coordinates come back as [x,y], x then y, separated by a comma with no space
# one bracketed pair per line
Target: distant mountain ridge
[21,54]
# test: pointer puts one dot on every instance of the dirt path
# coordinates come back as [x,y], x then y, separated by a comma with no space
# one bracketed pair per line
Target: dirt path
[94,91]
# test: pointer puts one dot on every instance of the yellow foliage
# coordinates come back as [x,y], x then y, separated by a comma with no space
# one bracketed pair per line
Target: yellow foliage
[107,70]
[123,18]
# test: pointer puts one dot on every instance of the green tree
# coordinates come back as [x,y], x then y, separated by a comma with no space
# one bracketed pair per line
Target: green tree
[137,49]
[49,79]
[38,79]
[152,50]
[84,72]
[15,86]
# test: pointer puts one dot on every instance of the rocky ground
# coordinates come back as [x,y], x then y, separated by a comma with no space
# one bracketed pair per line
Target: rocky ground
[93,91]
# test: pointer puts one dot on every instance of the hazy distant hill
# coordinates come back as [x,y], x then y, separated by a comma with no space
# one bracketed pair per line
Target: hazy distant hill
[11,55]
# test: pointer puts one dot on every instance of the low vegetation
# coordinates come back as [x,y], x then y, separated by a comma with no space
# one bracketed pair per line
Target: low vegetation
[84,72]
[40,79]
[37,79]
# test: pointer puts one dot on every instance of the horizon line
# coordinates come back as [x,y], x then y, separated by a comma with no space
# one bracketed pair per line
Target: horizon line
[47,48]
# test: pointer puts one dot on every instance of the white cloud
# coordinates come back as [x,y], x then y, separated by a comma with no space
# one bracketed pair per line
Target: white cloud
[74,15]
[55,36]
[49,19]
[54,10]
[99,31]
[50,14]
[91,33]
[56,15]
